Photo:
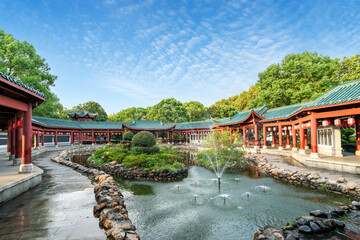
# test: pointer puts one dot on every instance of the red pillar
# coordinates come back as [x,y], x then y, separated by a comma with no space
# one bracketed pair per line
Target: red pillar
[302,147]
[13,138]
[186,137]
[306,139]
[244,136]
[92,137]
[180,137]
[313,125]
[256,135]
[9,139]
[273,138]
[264,136]
[287,138]
[294,138]
[168,136]
[19,133]
[72,137]
[357,130]
[157,135]
[37,139]
[109,137]
[56,138]
[198,136]
[280,138]
[43,139]
[26,165]
[172,137]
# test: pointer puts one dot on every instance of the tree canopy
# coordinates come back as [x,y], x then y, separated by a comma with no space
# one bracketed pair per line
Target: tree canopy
[92,107]
[349,69]
[128,115]
[168,110]
[195,111]
[20,61]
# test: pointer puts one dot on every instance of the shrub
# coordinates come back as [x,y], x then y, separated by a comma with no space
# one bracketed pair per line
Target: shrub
[143,139]
[146,150]
[138,161]
[128,136]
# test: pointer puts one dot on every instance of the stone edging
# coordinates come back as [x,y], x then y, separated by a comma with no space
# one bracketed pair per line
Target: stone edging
[313,180]
[318,222]
[111,208]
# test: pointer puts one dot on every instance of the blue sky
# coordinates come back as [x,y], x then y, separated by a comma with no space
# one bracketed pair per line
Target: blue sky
[135,53]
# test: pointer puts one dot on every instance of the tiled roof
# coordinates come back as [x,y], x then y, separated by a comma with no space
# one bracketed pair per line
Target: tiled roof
[60,123]
[21,84]
[148,125]
[241,115]
[194,125]
[345,92]
[82,113]
[282,112]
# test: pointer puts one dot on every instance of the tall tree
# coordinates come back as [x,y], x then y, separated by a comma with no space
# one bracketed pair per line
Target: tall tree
[128,115]
[20,61]
[195,111]
[349,69]
[93,107]
[168,110]
[221,111]
[300,77]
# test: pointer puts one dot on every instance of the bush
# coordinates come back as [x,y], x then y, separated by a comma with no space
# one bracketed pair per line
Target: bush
[143,139]
[128,136]
[146,150]
[138,161]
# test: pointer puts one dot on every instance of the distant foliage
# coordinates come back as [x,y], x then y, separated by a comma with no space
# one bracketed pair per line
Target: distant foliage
[143,139]
[221,111]
[128,136]
[92,107]
[168,110]
[196,111]
[128,115]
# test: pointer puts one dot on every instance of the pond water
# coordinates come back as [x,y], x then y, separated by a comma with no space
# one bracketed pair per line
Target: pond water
[194,209]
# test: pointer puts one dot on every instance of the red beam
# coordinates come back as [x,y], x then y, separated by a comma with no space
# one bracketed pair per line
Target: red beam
[12,103]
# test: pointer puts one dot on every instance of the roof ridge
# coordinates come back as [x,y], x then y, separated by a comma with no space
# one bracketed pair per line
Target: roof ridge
[22,84]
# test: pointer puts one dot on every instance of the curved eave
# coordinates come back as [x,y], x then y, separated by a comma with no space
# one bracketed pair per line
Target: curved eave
[149,129]
[252,113]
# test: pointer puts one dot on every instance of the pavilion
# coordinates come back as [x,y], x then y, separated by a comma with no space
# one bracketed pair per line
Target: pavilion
[311,125]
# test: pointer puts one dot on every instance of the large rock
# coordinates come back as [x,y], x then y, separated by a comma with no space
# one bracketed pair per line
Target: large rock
[314,176]
[341,180]
[352,185]
[319,213]
[315,228]
[305,229]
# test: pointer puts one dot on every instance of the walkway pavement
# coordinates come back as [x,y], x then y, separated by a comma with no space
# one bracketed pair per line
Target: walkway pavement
[59,208]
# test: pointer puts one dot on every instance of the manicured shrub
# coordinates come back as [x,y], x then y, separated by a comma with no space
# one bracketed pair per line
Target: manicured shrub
[128,136]
[143,139]
[146,150]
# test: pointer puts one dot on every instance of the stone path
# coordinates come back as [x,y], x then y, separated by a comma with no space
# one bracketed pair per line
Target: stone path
[59,208]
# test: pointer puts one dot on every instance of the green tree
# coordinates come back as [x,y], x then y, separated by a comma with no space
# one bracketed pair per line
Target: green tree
[300,77]
[195,111]
[20,61]
[128,115]
[168,110]
[92,107]
[221,111]
[349,69]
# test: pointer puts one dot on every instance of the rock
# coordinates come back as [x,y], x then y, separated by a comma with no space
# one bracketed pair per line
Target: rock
[314,176]
[337,213]
[339,224]
[341,180]
[352,185]
[323,226]
[98,208]
[319,213]
[290,235]
[261,236]
[315,228]
[305,229]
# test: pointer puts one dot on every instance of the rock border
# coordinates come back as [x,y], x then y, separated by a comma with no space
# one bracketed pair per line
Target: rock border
[111,209]
[311,179]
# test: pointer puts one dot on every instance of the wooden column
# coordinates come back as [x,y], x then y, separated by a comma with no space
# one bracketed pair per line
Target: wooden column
[198,137]
[172,137]
[244,136]
[157,135]
[37,139]
[302,141]
[306,139]
[8,153]
[313,125]
[13,138]
[108,137]
[26,165]
[287,138]
[168,136]
[72,138]
[294,142]
[56,138]
[19,135]
[280,138]
[180,137]
[256,136]
[357,129]
[80,136]
[264,136]
[43,139]
[186,137]
[273,138]
[92,137]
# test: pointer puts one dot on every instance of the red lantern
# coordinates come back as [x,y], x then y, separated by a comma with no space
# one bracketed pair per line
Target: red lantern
[351,121]
[326,123]
[337,122]
[284,128]
[308,125]
[247,131]
[289,128]
[252,130]
[13,125]
[9,129]
[269,129]
[274,128]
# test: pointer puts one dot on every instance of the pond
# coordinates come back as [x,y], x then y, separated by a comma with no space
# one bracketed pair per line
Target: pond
[194,209]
